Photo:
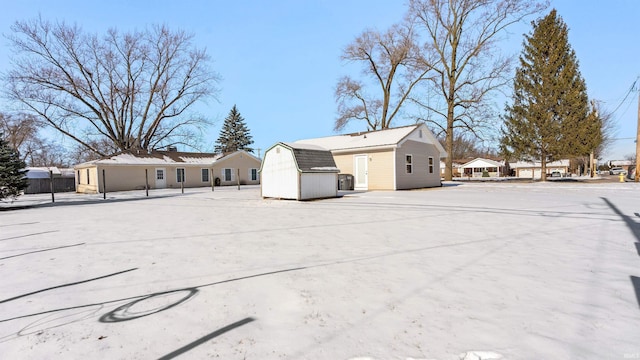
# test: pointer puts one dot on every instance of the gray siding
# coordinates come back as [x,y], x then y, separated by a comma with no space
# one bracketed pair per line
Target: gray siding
[420,176]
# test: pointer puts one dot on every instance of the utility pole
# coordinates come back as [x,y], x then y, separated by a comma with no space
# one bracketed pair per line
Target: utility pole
[637,177]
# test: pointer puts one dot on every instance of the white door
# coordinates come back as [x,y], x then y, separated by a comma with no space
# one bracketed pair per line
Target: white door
[361,173]
[161,178]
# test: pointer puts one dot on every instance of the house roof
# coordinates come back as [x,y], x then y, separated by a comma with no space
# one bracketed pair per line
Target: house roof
[155,158]
[372,139]
[311,158]
[42,172]
[622,162]
[235,153]
[481,162]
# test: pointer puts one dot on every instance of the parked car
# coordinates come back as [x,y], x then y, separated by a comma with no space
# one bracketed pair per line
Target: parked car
[617,171]
[556,174]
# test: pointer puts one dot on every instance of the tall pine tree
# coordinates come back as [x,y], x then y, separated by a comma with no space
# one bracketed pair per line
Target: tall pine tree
[12,171]
[234,134]
[550,115]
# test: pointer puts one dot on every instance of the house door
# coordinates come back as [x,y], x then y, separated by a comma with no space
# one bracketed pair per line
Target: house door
[361,174]
[161,178]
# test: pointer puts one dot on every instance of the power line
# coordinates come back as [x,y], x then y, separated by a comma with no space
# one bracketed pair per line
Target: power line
[631,89]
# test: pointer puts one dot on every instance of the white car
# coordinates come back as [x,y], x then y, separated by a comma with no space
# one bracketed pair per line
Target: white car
[617,171]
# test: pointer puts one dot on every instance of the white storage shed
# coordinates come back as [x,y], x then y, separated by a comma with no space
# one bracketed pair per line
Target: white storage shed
[298,172]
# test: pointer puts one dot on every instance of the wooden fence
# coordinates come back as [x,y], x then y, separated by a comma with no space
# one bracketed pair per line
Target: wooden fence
[60,184]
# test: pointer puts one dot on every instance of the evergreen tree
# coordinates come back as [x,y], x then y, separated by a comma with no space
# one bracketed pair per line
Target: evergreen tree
[234,134]
[550,116]
[12,171]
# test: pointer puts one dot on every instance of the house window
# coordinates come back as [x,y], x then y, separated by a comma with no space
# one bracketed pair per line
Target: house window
[78,177]
[430,165]
[180,175]
[88,182]
[205,175]
[409,163]
[227,174]
[253,174]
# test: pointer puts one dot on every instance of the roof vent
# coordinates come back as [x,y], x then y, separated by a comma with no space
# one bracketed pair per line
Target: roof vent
[172,148]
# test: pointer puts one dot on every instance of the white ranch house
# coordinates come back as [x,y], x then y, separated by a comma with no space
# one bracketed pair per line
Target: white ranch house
[479,166]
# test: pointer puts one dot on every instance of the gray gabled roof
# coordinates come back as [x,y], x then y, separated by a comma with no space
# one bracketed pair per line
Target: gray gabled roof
[310,158]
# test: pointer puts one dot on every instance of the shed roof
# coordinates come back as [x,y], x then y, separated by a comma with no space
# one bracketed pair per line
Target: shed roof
[311,158]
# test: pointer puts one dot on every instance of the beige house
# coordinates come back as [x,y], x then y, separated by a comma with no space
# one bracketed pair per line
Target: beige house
[165,169]
[406,157]
[237,165]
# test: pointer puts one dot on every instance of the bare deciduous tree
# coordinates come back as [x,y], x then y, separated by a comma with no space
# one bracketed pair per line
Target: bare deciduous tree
[466,146]
[607,127]
[21,131]
[393,63]
[463,35]
[134,89]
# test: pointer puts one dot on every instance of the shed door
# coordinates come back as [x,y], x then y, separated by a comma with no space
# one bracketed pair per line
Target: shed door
[361,173]
[161,178]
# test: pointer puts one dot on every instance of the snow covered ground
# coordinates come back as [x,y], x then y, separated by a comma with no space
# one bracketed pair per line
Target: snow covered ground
[517,270]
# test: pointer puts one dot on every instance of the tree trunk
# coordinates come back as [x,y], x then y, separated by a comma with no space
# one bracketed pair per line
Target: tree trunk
[448,168]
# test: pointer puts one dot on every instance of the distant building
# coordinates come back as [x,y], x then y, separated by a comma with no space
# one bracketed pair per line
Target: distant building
[480,167]
[533,169]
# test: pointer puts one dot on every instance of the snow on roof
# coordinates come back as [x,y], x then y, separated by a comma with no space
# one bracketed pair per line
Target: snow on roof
[622,162]
[325,168]
[37,172]
[157,158]
[305,146]
[43,172]
[377,138]
[529,164]
[482,162]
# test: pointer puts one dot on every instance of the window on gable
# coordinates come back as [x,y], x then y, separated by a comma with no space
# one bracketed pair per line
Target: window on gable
[409,163]
[205,175]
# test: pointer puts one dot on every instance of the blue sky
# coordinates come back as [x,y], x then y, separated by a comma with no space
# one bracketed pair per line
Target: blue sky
[280,59]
